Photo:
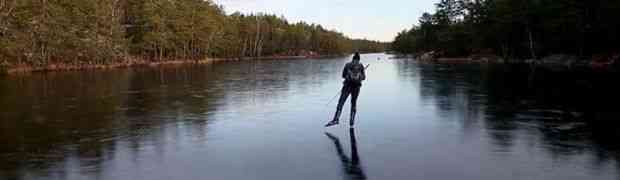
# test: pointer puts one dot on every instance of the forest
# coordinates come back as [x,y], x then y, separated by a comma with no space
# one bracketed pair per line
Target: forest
[521,29]
[44,32]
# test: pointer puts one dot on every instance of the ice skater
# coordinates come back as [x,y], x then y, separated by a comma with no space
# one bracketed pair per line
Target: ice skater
[353,75]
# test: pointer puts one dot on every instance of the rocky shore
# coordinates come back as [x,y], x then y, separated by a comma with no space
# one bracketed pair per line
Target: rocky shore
[9,69]
[553,62]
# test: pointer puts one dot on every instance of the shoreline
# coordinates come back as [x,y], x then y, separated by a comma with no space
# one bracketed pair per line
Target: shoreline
[129,63]
[553,62]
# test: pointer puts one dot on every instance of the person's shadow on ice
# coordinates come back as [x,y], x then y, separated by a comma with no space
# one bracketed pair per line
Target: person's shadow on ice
[351,166]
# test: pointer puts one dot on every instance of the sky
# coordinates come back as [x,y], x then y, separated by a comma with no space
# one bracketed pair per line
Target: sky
[371,19]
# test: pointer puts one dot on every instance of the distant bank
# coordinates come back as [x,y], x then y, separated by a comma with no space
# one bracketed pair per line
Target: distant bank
[568,33]
[94,34]
[131,63]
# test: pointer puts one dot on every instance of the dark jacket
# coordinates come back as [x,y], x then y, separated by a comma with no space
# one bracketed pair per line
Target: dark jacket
[353,68]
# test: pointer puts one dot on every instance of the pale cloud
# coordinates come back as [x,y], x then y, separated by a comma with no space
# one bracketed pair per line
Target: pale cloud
[371,19]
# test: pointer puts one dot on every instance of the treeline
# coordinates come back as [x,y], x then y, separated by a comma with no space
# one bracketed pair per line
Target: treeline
[515,28]
[42,32]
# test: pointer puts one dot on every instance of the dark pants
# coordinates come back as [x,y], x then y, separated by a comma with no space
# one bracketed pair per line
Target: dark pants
[348,89]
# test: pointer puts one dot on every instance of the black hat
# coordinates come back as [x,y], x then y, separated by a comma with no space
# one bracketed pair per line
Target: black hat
[356,56]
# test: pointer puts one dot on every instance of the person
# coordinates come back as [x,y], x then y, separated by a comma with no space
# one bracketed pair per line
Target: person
[353,75]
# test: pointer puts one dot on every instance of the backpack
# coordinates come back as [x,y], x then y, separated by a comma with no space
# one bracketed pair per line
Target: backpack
[354,73]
